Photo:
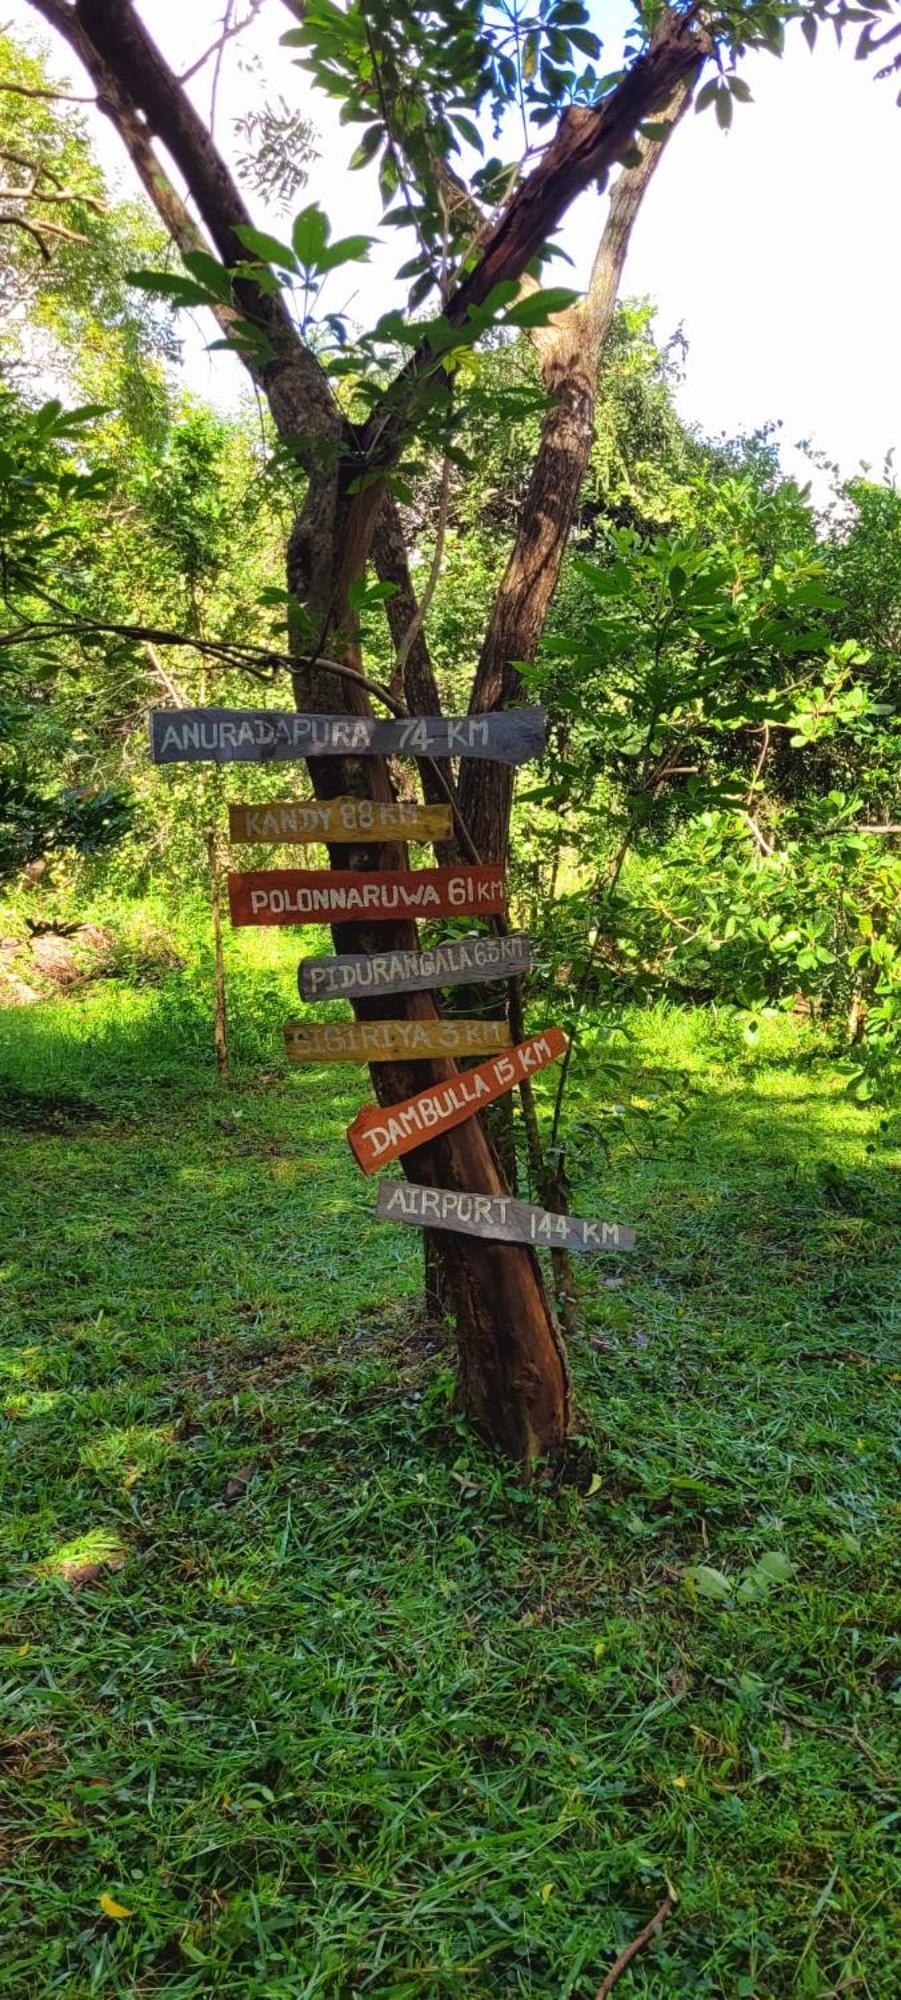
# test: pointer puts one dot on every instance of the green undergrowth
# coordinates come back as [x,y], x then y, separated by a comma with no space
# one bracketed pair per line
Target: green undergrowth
[299,1677]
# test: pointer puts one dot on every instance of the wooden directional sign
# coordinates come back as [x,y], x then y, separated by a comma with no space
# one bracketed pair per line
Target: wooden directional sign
[273,736]
[501,1217]
[379,1134]
[462,961]
[389,1041]
[308,820]
[325,896]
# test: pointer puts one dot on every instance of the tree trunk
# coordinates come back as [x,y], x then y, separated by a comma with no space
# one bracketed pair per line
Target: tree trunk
[513,1378]
[570,352]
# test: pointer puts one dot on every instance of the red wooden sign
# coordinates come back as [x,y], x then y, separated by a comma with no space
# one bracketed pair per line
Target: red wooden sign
[326,895]
[381,1133]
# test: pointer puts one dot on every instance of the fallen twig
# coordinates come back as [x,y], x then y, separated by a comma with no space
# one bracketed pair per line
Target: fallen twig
[638,1943]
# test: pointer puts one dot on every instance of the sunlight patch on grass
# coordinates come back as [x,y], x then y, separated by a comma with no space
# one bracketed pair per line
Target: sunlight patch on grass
[129,1453]
[85,1557]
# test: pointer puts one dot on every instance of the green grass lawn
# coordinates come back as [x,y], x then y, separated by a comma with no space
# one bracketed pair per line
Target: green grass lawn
[300,1678]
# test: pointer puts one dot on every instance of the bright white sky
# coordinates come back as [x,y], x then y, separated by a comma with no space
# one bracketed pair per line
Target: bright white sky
[770,245]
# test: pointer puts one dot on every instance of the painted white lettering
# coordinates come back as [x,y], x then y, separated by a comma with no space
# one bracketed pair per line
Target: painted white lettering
[380,1137]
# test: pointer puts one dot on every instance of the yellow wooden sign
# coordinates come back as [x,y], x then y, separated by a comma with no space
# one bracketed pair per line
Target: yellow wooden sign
[304,821]
[391,1041]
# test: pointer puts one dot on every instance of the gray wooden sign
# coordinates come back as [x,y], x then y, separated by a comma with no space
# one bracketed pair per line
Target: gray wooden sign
[497,1216]
[273,736]
[459,962]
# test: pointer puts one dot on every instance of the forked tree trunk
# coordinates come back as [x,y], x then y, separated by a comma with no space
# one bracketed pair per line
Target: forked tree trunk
[513,1378]
[513,1381]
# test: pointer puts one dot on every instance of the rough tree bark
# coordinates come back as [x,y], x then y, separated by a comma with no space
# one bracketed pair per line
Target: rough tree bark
[570,353]
[513,1376]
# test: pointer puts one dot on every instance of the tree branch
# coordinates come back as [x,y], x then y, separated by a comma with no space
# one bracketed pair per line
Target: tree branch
[231,653]
[586,144]
[215,49]
[389,556]
[638,1943]
[570,352]
[18,222]
[418,618]
[141,95]
[35,90]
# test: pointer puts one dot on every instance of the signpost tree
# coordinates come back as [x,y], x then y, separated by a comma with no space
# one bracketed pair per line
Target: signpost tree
[426,92]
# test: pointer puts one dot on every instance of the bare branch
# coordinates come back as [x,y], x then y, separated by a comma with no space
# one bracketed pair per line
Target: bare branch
[228,34]
[63,194]
[35,90]
[19,222]
[31,166]
[638,1943]
[420,689]
[174,692]
[249,658]
[419,616]
[763,845]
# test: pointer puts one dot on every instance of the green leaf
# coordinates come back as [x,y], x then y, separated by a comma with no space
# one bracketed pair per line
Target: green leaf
[209,272]
[500,295]
[267,248]
[740,89]
[169,285]
[540,307]
[468,131]
[421,289]
[775,1565]
[310,235]
[707,1582]
[724,108]
[586,42]
[707,94]
[368,147]
[768,1571]
[414,267]
[347,250]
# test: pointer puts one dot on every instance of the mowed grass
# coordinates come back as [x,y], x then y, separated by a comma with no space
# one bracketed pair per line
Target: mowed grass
[300,1678]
